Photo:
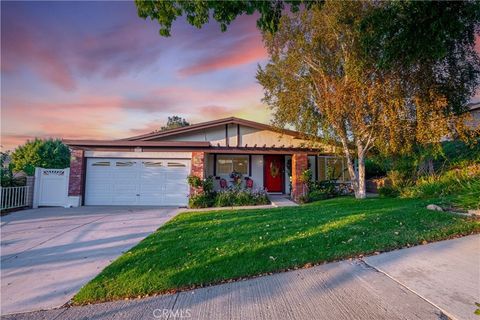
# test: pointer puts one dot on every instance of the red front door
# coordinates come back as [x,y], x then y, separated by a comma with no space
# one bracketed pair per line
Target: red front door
[273,166]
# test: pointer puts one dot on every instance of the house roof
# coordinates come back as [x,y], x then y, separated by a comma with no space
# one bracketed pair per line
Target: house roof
[210,124]
[137,143]
[473,106]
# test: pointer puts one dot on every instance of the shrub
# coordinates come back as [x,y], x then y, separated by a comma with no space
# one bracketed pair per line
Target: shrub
[451,182]
[201,200]
[374,168]
[316,195]
[241,197]
[194,181]
[388,192]
[48,153]
[320,190]
[225,198]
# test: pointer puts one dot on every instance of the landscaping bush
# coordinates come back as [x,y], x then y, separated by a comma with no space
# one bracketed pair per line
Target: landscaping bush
[320,190]
[460,180]
[205,196]
[201,200]
[375,167]
[459,186]
[224,199]
[388,192]
[241,197]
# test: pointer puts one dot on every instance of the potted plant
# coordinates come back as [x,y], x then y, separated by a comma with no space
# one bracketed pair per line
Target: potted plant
[236,178]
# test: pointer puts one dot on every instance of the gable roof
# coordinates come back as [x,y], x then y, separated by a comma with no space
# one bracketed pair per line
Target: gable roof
[210,124]
[473,106]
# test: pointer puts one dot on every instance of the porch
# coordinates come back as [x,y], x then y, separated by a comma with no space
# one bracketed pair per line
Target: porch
[277,173]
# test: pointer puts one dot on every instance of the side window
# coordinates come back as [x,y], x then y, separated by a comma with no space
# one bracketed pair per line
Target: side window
[152,164]
[101,164]
[124,163]
[176,164]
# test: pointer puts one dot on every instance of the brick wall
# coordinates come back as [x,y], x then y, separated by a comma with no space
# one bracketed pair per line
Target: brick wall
[77,173]
[198,167]
[299,165]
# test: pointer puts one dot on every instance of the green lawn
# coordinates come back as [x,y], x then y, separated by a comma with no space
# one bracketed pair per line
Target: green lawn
[208,247]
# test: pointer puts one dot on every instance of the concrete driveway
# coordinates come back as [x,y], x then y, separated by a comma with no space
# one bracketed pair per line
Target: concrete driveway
[48,254]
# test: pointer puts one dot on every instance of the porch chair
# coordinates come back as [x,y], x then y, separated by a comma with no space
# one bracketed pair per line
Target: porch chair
[249,183]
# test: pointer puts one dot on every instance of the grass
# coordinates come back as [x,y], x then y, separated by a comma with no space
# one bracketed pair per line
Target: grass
[201,248]
[458,187]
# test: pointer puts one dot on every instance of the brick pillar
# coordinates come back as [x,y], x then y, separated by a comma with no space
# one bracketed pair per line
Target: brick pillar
[299,165]
[198,166]
[77,173]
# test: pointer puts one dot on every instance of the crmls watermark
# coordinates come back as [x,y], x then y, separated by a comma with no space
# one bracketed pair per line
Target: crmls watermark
[172,314]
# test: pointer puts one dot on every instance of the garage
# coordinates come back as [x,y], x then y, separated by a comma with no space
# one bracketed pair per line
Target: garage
[119,181]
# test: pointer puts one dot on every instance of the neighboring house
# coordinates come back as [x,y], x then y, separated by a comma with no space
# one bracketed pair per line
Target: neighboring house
[152,169]
[474,110]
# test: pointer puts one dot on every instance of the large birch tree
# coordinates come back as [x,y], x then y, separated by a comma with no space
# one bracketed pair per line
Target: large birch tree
[321,80]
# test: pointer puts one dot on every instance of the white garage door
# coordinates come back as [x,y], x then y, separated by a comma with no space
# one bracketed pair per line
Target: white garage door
[118,181]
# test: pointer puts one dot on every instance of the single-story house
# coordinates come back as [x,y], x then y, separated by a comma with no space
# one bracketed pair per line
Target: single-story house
[152,169]
[474,110]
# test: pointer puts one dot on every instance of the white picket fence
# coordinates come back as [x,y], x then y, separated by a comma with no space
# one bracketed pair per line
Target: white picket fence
[14,197]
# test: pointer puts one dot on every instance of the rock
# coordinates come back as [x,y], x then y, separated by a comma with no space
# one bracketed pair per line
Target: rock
[475,212]
[434,207]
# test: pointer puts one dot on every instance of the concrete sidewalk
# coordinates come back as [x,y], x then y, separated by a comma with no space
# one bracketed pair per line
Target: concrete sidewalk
[342,291]
[445,273]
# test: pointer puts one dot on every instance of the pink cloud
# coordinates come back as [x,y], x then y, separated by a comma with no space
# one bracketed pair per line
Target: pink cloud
[240,44]
[185,99]
[61,55]
[21,49]
[244,53]
[90,117]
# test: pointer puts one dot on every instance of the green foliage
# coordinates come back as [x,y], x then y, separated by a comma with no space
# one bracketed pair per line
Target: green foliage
[458,186]
[48,153]
[198,12]
[204,196]
[388,192]
[306,176]
[451,182]
[458,153]
[175,122]
[241,197]
[321,190]
[7,177]
[194,181]
[201,200]
[374,168]
[201,248]
[410,36]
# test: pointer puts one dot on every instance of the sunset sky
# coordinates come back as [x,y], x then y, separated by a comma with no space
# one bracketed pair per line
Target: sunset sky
[96,70]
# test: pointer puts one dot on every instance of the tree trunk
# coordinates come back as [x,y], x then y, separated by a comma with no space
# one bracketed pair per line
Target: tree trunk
[357,178]
[362,190]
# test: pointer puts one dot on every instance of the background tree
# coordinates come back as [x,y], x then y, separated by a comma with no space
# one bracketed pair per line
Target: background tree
[175,122]
[45,153]
[7,177]
[198,12]
[322,80]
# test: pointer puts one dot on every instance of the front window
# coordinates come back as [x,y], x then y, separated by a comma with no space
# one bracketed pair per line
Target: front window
[332,168]
[228,164]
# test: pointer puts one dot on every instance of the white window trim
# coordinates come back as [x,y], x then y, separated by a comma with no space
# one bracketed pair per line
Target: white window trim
[231,156]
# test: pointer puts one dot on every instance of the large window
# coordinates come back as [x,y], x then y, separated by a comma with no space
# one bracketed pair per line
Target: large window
[332,168]
[227,164]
